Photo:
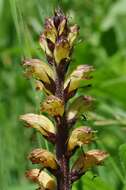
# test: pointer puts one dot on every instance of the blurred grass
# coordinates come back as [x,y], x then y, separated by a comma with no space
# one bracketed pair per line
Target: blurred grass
[102,43]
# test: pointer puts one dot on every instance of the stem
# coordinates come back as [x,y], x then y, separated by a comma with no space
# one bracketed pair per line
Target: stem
[63,179]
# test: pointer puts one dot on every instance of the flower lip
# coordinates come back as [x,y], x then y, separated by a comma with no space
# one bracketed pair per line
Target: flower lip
[32,174]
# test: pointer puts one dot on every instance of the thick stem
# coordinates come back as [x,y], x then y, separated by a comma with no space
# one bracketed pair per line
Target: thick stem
[63,179]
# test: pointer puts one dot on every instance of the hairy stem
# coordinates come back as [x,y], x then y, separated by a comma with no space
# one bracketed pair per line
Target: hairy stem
[63,179]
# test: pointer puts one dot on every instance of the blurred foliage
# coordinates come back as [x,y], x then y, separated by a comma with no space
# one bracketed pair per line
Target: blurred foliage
[102,43]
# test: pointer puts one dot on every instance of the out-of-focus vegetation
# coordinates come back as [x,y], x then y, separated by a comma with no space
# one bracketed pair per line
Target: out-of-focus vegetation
[102,43]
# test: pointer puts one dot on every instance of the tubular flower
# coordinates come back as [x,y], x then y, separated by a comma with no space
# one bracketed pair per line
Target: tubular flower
[88,160]
[39,122]
[44,157]
[57,41]
[44,180]
[79,137]
[39,70]
[81,73]
[53,106]
[79,106]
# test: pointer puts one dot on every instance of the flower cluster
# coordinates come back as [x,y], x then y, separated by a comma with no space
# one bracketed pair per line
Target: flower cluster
[58,114]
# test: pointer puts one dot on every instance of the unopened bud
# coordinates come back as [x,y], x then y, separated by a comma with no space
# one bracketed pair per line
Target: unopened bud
[62,25]
[73,34]
[50,30]
[44,45]
[62,50]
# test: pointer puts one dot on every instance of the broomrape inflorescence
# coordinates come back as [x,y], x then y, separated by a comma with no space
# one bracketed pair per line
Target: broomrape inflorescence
[57,42]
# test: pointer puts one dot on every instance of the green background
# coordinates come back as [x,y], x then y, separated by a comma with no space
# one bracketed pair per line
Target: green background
[102,43]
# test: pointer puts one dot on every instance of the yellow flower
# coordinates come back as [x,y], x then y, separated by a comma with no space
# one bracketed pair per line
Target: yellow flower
[61,50]
[44,157]
[39,70]
[79,106]
[81,73]
[44,45]
[39,122]
[73,34]
[53,106]
[88,160]
[50,30]
[80,136]
[44,180]
[62,25]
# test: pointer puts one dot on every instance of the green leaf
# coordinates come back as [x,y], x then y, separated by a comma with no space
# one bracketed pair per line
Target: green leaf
[122,155]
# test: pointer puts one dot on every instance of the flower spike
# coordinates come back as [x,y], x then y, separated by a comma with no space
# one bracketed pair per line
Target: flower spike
[57,41]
